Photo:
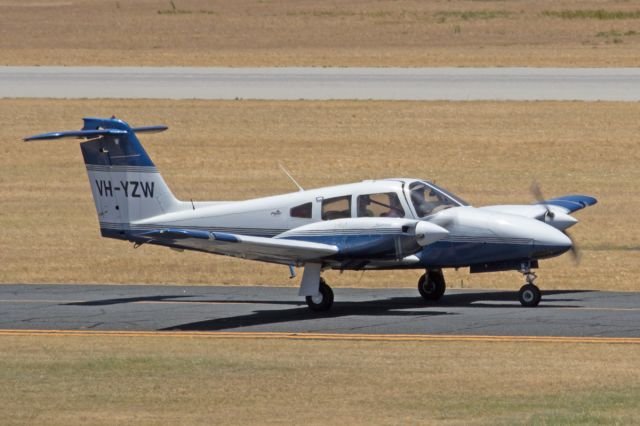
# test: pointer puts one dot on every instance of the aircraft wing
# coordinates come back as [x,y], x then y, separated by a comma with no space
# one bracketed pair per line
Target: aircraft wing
[560,209]
[567,204]
[275,250]
[571,203]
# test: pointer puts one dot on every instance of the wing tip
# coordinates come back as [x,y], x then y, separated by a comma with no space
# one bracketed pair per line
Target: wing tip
[572,202]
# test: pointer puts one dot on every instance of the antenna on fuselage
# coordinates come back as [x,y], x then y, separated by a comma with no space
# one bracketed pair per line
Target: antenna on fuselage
[286,172]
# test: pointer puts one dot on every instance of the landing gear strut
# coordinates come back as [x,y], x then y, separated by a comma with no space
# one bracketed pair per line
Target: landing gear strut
[323,300]
[431,285]
[529,294]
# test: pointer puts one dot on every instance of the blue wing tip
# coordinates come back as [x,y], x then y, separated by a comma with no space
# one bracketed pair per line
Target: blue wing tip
[586,200]
[572,202]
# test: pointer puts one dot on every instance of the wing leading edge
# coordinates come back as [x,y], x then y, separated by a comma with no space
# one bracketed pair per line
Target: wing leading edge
[555,212]
[571,203]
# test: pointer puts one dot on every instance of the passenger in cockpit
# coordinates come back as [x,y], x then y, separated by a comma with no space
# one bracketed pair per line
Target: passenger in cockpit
[420,204]
[363,206]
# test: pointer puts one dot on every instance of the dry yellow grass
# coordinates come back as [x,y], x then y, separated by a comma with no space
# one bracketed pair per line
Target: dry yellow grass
[308,33]
[107,380]
[487,152]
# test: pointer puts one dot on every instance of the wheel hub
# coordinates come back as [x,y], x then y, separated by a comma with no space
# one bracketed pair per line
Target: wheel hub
[527,295]
[429,286]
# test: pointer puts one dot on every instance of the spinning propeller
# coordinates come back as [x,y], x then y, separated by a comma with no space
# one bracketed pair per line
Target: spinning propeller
[537,194]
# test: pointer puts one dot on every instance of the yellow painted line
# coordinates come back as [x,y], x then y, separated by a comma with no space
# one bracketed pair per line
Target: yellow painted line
[150,302]
[324,336]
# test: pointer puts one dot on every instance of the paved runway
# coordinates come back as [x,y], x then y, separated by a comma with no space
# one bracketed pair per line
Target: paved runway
[586,84]
[279,309]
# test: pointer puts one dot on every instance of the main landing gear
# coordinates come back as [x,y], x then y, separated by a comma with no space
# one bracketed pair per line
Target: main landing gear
[431,285]
[323,300]
[529,294]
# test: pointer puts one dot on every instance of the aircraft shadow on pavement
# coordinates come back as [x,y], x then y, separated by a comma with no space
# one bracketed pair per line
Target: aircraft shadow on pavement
[394,306]
[453,300]
[384,307]
[179,299]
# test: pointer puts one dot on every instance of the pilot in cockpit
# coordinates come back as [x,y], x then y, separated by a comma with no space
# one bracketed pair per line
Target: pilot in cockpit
[428,203]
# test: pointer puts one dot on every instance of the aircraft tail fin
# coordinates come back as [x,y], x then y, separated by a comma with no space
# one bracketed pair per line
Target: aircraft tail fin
[125,184]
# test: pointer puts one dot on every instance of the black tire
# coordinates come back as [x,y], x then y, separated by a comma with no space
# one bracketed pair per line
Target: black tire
[326,296]
[432,285]
[529,295]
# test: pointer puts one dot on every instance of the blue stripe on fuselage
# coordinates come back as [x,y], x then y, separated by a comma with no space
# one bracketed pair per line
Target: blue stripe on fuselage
[454,254]
[364,246]
[460,254]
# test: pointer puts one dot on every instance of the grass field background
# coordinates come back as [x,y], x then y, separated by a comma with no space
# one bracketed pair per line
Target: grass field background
[187,380]
[487,152]
[310,33]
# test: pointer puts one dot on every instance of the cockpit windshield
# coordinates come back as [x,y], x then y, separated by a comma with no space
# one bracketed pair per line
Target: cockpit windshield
[428,198]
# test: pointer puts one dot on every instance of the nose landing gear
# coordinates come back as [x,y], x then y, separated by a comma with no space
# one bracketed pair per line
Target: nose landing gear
[529,294]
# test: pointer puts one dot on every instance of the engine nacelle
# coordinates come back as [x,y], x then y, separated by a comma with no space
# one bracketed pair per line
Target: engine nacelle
[370,237]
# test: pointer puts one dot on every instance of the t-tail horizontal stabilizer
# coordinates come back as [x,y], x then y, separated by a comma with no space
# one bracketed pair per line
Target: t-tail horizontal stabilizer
[88,134]
[125,183]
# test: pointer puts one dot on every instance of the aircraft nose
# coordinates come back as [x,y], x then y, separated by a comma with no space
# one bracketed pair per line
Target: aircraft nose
[552,242]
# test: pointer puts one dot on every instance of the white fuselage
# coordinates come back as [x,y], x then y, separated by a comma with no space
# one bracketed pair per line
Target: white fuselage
[476,235]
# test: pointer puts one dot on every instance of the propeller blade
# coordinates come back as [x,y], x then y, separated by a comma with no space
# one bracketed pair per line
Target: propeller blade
[575,251]
[537,194]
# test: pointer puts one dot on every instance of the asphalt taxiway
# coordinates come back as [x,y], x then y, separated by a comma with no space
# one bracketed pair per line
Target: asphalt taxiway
[453,84]
[365,312]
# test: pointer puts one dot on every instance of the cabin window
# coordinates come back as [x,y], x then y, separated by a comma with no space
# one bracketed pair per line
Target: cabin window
[336,208]
[303,211]
[380,205]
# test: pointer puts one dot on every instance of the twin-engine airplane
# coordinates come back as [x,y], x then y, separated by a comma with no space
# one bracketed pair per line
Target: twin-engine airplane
[398,223]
